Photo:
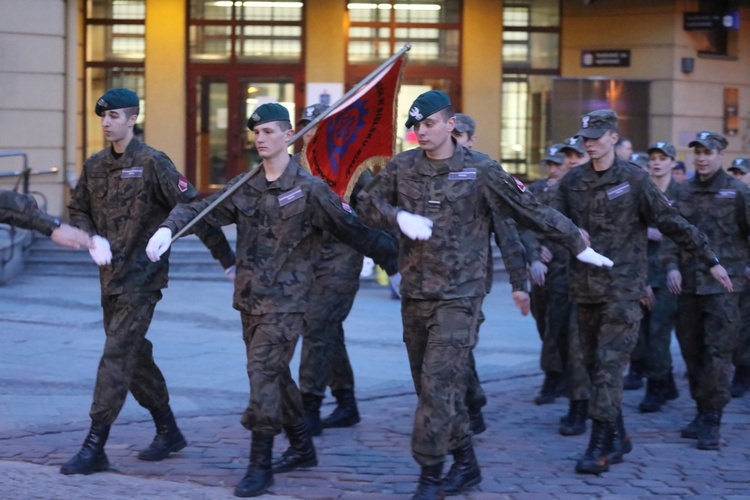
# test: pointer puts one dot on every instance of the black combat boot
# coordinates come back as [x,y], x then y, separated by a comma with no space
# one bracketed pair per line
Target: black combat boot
[574,423]
[552,388]
[168,437]
[464,473]
[311,404]
[708,433]
[259,476]
[655,396]
[594,460]
[740,381]
[671,393]
[345,414]
[690,431]
[430,486]
[301,451]
[621,442]
[91,457]
[634,379]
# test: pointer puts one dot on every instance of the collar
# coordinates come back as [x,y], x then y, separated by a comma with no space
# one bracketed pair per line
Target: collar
[284,182]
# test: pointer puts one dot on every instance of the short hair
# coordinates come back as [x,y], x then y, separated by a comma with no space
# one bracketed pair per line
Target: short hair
[621,140]
[448,112]
[133,110]
[285,125]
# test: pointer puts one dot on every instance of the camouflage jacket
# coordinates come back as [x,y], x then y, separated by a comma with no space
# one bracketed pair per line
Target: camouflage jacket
[556,278]
[720,207]
[461,200]
[616,209]
[125,200]
[279,226]
[21,210]
[657,271]
[512,252]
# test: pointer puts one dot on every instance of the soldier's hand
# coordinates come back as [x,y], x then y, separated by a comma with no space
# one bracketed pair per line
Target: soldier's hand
[522,302]
[649,299]
[414,227]
[100,251]
[589,256]
[720,275]
[231,272]
[674,282]
[538,272]
[654,234]
[158,244]
[71,237]
[545,255]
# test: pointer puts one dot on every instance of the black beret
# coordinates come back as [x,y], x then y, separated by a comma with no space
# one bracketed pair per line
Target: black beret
[268,112]
[116,99]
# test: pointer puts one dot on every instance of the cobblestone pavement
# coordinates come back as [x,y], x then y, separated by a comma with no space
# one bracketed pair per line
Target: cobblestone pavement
[51,339]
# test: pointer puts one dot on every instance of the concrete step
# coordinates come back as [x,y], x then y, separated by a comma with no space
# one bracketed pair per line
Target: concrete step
[189,260]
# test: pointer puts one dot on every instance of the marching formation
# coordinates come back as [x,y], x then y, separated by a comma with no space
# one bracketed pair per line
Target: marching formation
[428,214]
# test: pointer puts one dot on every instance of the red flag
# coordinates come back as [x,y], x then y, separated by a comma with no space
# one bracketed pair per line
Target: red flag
[358,134]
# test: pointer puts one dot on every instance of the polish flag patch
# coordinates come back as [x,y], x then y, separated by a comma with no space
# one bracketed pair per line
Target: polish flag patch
[182,184]
[520,185]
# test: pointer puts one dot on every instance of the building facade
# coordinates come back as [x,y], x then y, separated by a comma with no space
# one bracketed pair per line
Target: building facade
[524,69]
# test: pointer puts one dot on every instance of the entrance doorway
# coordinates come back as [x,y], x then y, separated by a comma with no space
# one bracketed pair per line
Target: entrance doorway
[220,146]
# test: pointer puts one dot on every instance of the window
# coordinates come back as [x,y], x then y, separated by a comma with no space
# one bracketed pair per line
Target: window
[432,27]
[115,50]
[531,58]
[245,31]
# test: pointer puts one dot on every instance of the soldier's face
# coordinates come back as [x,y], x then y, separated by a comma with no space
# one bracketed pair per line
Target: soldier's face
[309,134]
[116,125]
[434,133]
[599,148]
[574,158]
[679,175]
[707,161]
[556,171]
[660,164]
[270,140]
[464,139]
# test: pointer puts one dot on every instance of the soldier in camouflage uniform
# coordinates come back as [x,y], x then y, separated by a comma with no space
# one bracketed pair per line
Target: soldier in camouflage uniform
[281,213]
[21,210]
[548,280]
[443,197]
[719,205]
[514,259]
[614,202]
[324,360]
[741,358]
[124,192]
[660,308]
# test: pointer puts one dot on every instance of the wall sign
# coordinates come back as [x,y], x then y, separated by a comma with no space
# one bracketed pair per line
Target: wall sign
[618,58]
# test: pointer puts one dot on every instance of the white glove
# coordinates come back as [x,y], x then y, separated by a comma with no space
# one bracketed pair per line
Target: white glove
[589,256]
[231,272]
[159,243]
[414,227]
[101,253]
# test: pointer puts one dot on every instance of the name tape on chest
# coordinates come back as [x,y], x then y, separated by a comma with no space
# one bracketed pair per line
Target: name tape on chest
[290,196]
[618,191]
[467,174]
[726,194]
[131,173]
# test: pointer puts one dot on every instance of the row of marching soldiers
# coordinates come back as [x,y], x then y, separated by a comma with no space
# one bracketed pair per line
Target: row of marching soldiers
[442,201]
[583,355]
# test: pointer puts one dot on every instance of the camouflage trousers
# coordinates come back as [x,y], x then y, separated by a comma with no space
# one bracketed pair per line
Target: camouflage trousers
[439,335]
[577,381]
[608,334]
[707,332]
[127,363]
[538,296]
[553,358]
[324,360]
[275,400]
[741,355]
[655,336]
[475,397]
